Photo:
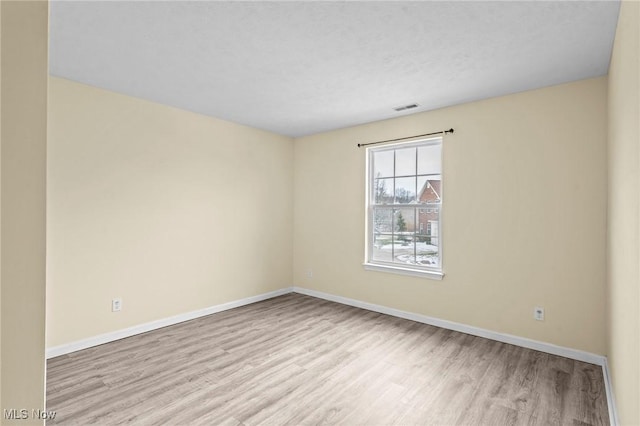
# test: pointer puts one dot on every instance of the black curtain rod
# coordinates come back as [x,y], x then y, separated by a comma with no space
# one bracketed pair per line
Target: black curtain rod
[442,132]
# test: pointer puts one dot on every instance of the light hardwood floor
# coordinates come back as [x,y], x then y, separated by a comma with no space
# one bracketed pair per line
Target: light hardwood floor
[300,360]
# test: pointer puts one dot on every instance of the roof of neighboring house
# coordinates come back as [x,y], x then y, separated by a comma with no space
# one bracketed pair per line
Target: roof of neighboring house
[430,190]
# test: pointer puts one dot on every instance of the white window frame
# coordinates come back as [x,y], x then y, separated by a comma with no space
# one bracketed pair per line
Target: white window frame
[431,272]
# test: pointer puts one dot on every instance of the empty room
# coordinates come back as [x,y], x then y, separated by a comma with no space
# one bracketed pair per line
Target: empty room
[310,212]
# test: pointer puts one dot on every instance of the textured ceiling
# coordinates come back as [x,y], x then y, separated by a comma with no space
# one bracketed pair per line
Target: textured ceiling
[298,68]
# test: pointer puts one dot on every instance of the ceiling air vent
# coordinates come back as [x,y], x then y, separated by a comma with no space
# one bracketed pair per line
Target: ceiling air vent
[405,107]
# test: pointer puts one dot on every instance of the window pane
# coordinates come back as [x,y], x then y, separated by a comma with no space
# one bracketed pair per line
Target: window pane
[429,159]
[404,220]
[405,196]
[405,161]
[383,164]
[382,223]
[405,190]
[427,234]
[404,249]
[429,189]
[423,188]
[404,225]
[383,191]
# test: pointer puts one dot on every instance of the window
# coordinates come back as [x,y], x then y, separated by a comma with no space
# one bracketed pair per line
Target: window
[404,199]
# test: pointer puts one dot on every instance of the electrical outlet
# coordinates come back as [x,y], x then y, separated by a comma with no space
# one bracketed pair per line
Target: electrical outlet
[309,274]
[538,313]
[116,305]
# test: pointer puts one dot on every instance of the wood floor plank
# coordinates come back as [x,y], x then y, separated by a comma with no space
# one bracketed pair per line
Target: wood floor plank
[300,360]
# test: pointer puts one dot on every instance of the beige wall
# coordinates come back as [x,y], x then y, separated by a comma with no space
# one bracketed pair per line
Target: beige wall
[24,27]
[1,406]
[524,215]
[169,210]
[173,212]
[624,216]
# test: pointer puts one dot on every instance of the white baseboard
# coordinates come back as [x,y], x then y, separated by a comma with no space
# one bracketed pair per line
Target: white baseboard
[463,328]
[611,401]
[153,325]
[488,334]
[450,325]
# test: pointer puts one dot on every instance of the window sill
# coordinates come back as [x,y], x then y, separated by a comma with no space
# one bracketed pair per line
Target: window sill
[433,275]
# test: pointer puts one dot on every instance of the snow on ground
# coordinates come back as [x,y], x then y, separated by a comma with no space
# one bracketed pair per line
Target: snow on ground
[399,247]
[419,259]
[426,254]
